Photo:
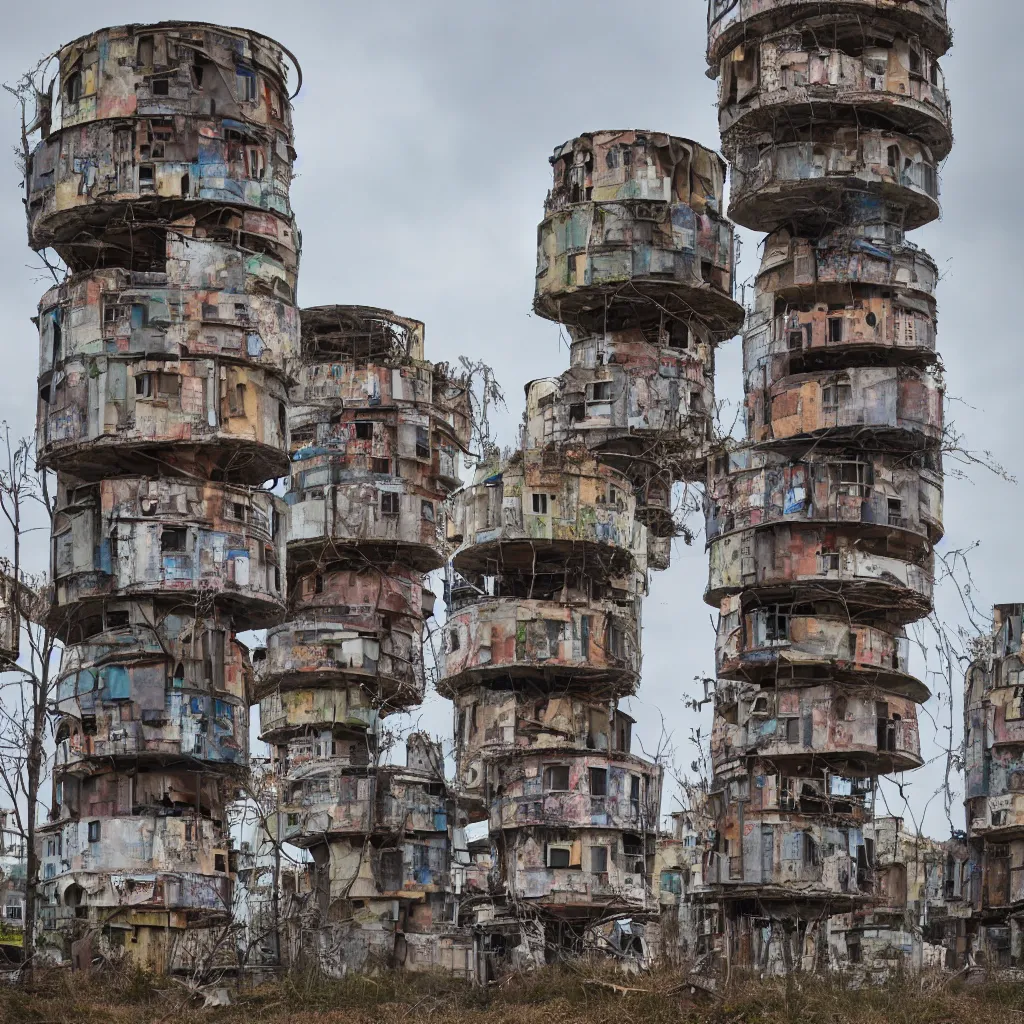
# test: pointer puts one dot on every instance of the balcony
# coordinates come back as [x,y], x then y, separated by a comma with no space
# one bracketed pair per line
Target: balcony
[579,790]
[792,265]
[132,537]
[784,854]
[387,661]
[883,493]
[294,717]
[731,22]
[871,328]
[104,412]
[594,644]
[134,125]
[772,643]
[781,78]
[776,182]
[786,562]
[901,404]
[146,862]
[347,500]
[117,313]
[848,729]
[627,396]
[611,219]
[548,510]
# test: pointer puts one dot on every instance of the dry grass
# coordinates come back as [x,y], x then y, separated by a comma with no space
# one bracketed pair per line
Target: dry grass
[551,996]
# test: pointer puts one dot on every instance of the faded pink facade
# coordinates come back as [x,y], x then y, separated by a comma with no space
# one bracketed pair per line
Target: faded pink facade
[820,526]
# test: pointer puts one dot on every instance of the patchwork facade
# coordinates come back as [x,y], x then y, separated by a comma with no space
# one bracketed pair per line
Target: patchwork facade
[161,179]
[994,797]
[553,546]
[820,526]
[376,434]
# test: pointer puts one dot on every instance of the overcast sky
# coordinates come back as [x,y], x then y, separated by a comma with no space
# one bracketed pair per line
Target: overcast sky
[423,130]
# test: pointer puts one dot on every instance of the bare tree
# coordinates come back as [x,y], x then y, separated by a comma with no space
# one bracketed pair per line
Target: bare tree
[27,677]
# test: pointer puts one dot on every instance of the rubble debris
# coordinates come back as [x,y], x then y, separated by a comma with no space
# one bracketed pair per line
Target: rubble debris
[161,179]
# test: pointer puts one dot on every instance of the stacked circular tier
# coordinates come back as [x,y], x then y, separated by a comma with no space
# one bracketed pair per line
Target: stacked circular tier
[635,260]
[820,526]
[376,434]
[994,798]
[161,180]
[542,639]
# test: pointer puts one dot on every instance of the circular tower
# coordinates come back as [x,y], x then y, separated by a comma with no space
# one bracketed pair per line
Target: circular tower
[820,526]
[161,181]
[555,542]
[376,434]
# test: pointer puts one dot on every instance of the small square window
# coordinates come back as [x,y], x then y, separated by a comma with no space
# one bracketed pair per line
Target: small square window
[364,430]
[558,856]
[382,466]
[389,503]
[601,391]
[172,540]
[161,87]
[556,779]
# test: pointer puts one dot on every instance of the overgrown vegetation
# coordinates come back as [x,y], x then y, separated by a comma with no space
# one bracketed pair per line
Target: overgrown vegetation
[584,994]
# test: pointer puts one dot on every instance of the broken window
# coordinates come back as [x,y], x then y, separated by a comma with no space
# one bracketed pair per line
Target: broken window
[601,391]
[835,329]
[679,335]
[147,178]
[219,862]
[73,87]
[245,85]
[886,727]
[835,396]
[634,795]
[599,859]
[598,781]
[851,479]
[556,778]
[615,642]
[810,851]
[364,430]
[453,640]
[896,512]
[828,560]
[161,87]
[172,540]
[144,385]
[422,443]
[559,856]
[796,341]
[776,625]
[389,503]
